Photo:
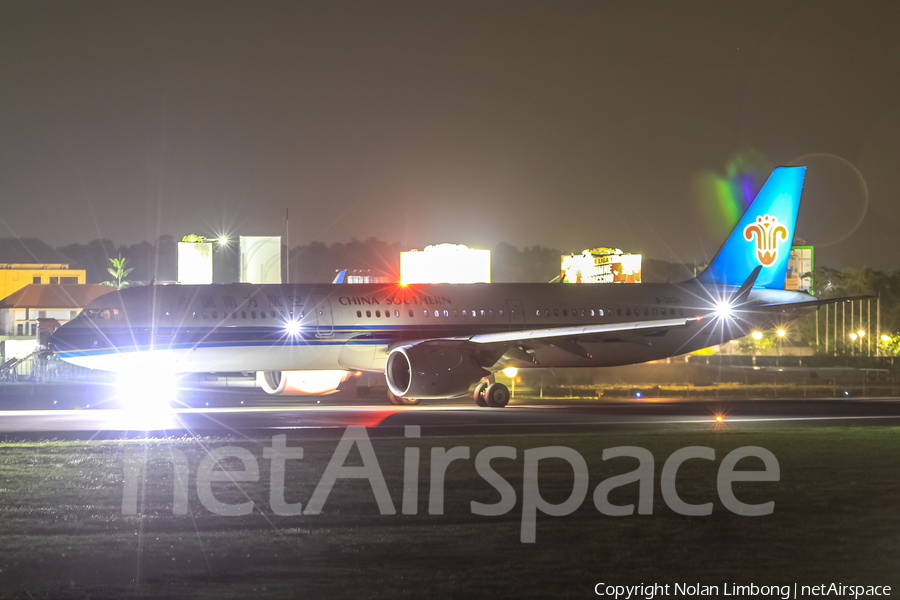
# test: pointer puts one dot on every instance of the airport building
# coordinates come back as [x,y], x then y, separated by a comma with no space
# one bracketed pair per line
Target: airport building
[445,263]
[25,311]
[800,268]
[601,265]
[30,261]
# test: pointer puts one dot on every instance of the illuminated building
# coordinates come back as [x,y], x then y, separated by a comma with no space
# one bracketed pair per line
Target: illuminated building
[29,261]
[260,259]
[445,263]
[21,311]
[799,264]
[195,264]
[601,265]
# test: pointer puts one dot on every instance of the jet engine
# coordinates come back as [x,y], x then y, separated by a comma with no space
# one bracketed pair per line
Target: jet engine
[430,371]
[300,383]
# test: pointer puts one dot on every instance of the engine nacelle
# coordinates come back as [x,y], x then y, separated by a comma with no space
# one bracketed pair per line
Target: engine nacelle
[430,371]
[300,383]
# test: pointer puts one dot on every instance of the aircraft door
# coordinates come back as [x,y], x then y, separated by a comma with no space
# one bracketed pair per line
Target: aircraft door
[324,318]
[516,314]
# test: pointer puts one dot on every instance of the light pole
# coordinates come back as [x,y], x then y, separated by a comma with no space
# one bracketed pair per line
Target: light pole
[511,372]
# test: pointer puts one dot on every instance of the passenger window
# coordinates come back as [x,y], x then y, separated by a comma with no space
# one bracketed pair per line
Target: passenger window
[482,312]
[411,313]
[537,313]
[387,314]
[397,313]
[253,314]
[546,312]
[446,313]
[359,313]
[204,314]
[646,312]
[369,314]
[491,312]
[627,312]
[582,312]
[425,312]
[465,314]
[619,312]
[654,312]
[377,313]
[215,314]
[193,314]
[262,314]
[601,312]
[592,312]
[663,311]
[473,312]
[272,313]
[555,312]
[565,312]
[234,315]
[501,312]
[455,314]
[437,313]
[243,314]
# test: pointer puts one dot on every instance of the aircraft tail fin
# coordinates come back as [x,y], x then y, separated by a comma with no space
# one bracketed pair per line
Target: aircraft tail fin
[763,236]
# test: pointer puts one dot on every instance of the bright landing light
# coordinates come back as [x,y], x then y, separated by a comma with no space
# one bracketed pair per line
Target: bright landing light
[781,332]
[723,310]
[510,372]
[756,335]
[292,327]
[147,392]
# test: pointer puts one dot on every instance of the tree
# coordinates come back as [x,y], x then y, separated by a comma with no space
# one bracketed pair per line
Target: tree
[119,273]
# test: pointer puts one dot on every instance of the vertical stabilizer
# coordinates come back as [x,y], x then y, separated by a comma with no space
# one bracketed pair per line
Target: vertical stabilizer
[763,236]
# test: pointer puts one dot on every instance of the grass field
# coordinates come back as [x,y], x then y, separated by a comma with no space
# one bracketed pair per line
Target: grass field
[836,519]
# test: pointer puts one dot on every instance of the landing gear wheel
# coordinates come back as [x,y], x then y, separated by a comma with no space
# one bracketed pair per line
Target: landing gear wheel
[397,400]
[497,395]
[480,390]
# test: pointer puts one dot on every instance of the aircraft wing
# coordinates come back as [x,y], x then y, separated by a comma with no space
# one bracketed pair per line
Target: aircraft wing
[810,303]
[575,332]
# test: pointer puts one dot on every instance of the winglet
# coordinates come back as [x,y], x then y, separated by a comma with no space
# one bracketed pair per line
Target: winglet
[743,292]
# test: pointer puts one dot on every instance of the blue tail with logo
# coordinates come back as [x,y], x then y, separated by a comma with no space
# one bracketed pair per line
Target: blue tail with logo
[763,236]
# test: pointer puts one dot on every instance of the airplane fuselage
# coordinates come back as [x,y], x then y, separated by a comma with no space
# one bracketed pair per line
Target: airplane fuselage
[245,327]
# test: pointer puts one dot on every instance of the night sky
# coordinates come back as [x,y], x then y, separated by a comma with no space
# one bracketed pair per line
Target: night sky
[563,124]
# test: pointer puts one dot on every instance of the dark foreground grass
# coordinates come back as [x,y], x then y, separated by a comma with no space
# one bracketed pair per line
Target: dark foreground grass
[63,534]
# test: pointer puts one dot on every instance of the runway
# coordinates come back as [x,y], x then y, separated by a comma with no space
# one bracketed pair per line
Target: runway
[448,418]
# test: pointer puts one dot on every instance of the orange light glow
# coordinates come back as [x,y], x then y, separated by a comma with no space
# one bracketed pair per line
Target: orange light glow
[720,419]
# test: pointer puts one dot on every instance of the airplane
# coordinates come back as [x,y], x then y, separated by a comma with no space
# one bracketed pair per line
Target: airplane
[435,341]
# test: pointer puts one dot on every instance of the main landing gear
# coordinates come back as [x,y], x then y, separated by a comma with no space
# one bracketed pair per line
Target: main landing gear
[402,401]
[491,394]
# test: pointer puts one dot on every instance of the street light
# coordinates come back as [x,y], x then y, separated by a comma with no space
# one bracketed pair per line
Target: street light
[223,241]
[756,335]
[885,338]
[511,372]
[853,336]
[780,332]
